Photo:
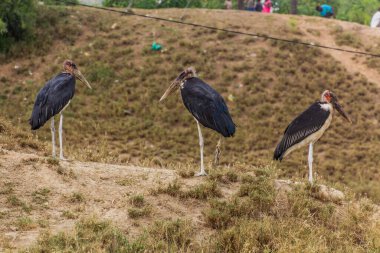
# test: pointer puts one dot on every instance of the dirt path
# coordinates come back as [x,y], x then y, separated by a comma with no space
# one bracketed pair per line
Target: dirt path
[353,63]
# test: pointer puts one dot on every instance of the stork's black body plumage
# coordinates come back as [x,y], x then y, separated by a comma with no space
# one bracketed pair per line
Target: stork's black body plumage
[307,123]
[52,98]
[207,106]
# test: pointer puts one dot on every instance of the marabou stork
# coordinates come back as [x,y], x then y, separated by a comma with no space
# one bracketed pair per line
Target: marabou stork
[308,127]
[53,98]
[206,106]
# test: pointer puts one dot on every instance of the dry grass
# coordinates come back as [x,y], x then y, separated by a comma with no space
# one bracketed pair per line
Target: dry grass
[120,120]
[254,219]
[266,84]
[202,191]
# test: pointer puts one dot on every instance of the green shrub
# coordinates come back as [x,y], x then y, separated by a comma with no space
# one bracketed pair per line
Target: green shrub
[152,4]
[18,19]
[3,27]
[28,29]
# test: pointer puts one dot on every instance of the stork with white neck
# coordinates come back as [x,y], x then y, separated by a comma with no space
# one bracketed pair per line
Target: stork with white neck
[308,128]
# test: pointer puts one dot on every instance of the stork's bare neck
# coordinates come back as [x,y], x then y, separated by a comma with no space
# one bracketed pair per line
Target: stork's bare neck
[178,82]
[186,74]
[331,98]
[70,67]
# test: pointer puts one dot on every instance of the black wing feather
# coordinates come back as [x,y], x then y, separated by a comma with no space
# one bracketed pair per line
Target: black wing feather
[307,123]
[207,106]
[52,98]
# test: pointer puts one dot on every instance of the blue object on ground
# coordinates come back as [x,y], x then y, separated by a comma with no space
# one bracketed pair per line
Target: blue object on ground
[156,46]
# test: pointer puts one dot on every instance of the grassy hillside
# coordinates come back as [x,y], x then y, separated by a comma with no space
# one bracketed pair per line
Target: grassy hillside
[238,208]
[268,83]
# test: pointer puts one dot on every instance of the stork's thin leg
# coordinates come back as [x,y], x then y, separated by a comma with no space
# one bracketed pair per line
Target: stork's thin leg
[202,172]
[60,138]
[218,151]
[311,163]
[53,136]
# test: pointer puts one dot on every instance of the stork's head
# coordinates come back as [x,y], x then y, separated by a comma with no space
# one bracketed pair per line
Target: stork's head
[70,67]
[329,97]
[186,74]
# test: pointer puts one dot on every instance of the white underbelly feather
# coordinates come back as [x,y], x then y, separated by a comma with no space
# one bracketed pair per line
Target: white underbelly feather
[65,106]
[314,137]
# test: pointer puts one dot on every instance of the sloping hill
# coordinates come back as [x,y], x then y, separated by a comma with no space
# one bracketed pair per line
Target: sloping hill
[268,83]
[120,122]
[41,197]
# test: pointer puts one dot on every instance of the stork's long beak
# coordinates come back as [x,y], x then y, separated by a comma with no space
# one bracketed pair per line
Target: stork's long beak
[339,108]
[173,86]
[81,78]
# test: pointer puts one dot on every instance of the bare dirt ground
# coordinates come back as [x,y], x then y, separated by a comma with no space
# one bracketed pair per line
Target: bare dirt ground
[55,196]
[74,189]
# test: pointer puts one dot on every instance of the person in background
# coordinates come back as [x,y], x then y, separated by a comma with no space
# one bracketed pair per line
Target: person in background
[325,10]
[250,5]
[375,22]
[267,6]
[258,6]
[228,4]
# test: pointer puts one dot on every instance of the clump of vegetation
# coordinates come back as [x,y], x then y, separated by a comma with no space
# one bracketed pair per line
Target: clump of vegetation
[25,223]
[41,196]
[52,161]
[348,39]
[172,236]
[13,138]
[140,207]
[255,198]
[69,214]
[224,176]
[90,235]
[202,191]
[292,26]
[65,172]
[135,213]
[7,188]
[76,197]
[137,200]
[14,201]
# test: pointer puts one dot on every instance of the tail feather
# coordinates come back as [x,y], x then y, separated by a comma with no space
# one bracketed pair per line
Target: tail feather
[279,152]
[225,125]
[37,119]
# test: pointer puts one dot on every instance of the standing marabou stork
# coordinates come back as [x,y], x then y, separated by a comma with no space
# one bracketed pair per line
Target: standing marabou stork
[53,98]
[206,105]
[308,127]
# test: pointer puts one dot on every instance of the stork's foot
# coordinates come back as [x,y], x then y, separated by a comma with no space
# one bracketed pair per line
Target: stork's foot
[62,158]
[200,174]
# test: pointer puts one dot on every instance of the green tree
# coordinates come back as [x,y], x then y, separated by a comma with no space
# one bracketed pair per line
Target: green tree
[360,11]
[3,27]
[17,21]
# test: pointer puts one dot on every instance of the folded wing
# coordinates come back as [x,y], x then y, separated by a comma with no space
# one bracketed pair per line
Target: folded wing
[51,99]
[307,123]
[207,106]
